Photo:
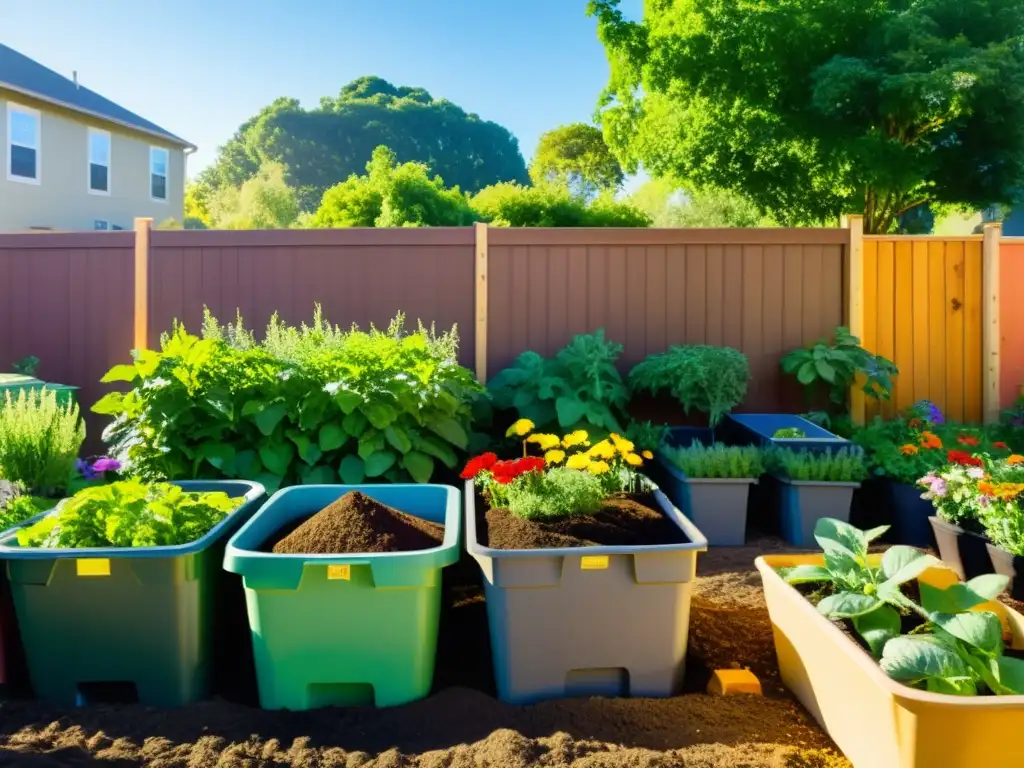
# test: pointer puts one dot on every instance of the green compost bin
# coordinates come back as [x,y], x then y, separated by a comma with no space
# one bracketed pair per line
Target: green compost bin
[133,622]
[337,630]
[15,382]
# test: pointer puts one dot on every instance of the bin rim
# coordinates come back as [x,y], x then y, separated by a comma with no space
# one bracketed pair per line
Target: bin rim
[9,551]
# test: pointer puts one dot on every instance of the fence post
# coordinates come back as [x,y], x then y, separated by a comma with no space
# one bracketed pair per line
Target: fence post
[990,322]
[480,291]
[140,337]
[855,303]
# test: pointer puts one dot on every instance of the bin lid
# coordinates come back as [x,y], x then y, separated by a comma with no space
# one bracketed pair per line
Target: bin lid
[21,381]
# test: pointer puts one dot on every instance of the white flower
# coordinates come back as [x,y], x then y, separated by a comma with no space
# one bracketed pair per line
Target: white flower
[976,472]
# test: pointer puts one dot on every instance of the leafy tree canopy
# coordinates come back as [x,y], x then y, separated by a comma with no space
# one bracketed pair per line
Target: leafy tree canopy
[548,205]
[323,146]
[672,205]
[816,108]
[576,157]
[263,202]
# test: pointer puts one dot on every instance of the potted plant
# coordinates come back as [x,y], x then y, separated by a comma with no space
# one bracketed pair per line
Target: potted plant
[711,484]
[892,645]
[778,430]
[571,542]
[813,486]
[116,585]
[998,504]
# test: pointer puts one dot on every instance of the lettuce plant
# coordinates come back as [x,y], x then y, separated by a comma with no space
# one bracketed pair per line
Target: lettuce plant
[716,461]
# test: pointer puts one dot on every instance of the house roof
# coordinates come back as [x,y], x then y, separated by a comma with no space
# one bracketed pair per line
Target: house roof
[24,75]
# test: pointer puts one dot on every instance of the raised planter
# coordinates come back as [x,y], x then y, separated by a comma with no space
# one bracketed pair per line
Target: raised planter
[135,620]
[760,428]
[909,515]
[876,721]
[803,503]
[1008,565]
[717,506]
[591,621]
[962,550]
[15,382]
[344,629]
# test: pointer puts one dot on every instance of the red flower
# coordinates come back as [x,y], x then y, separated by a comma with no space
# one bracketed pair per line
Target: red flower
[963,458]
[968,440]
[914,423]
[1001,444]
[506,471]
[478,464]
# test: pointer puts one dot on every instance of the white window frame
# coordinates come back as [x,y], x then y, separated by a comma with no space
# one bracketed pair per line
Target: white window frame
[167,174]
[12,108]
[88,160]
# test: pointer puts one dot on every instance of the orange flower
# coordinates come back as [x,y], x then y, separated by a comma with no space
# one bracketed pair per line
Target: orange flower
[1015,458]
[930,440]
[1008,491]
[986,489]
[908,449]
[968,440]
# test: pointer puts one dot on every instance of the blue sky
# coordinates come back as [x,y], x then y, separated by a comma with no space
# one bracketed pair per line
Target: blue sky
[199,68]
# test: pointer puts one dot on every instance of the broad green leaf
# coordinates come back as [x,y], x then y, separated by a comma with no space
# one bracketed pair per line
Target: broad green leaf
[370,443]
[270,417]
[120,373]
[246,465]
[539,412]
[912,658]
[147,361]
[277,456]
[846,605]
[217,454]
[419,466]
[309,451]
[398,439]
[219,402]
[836,536]
[253,406]
[380,415]
[803,574]
[826,371]
[959,686]
[900,564]
[355,424]
[979,629]
[347,400]
[352,470]
[570,410]
[806,374]
[450,430]
[332,436]
[379,462]
[311,412]
[321,475]
[878,627]
[988,586]
[269,481]
[842,564]
[111,404]
[960,597]
[890,592]
[1010,674]
[873,533]
[437,448]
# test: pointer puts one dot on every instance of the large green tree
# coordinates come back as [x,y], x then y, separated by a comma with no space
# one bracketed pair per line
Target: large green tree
[813,108]
[672,205]
[550,205]
[323,146]
[576,157]
[263,202]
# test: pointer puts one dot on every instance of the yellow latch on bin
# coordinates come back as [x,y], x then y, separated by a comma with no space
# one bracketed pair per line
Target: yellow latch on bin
[594,562]
[339,572]
[92,566]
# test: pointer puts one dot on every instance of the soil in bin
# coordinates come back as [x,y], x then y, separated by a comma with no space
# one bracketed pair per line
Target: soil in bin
[355,523]
[461,725]
[626,520]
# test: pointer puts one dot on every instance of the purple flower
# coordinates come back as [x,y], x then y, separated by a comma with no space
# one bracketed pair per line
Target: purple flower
[85,469]
[928,410]
[105,464]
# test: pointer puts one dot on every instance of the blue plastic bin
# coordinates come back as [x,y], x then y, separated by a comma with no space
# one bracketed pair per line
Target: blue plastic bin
[344,629]
[759,428]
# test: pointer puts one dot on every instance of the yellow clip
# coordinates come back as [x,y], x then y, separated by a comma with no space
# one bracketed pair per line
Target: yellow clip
[93,566]
[339,572]
[594,562]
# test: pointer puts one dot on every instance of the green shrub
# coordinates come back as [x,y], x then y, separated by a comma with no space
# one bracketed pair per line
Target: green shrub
[716,461]
[21,508]
[838,366]
[39,440]
[789,433]
[558,493]
[130,513]
[580,388]
[843,466]
[310,404]
[712,380]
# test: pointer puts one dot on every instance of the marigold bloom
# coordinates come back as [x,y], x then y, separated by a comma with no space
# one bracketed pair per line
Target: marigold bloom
[1015,458]
[963,459]
[908,449]
[544,442]
[986,488]
[478,464]
[579,437]
[598,467]
[520,428]
[578,461]
[647,455]
[506,471]
[930,440]
[622,445]
[603,450]
[633,459]
[554,457]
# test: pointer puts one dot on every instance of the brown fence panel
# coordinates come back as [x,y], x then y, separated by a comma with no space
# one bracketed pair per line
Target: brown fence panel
[763,292]
[359,276]
[67,299]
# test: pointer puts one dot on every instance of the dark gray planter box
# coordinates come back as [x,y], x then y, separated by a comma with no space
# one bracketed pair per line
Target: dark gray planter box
[717,506]
[805,502]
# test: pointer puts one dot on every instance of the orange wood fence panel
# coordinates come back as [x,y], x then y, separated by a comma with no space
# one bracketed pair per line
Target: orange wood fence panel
[1011,325]
[923,311]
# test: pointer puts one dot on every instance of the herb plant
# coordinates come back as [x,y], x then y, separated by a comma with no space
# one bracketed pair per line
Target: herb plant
[39,440]
[580,388]
[711,380]
[26,366]
[837,366]
[129,513]
[21,508]
[789,433]
[716,461]
[843,466]
[308,404]
[558,493]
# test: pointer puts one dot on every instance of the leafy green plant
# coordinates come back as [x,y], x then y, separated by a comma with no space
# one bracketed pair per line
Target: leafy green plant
[308,404]
[21,508]
[27,366]
[558,493]
[39,440]
[789,433]
[712,380]
[647,435]
[579,388]
[129,513]
[716,461]
[837,366]
[843,466]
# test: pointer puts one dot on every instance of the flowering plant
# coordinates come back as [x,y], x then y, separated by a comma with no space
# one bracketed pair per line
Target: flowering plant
[96,470]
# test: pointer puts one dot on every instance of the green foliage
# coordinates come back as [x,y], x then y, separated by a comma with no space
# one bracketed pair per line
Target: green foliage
[716,461]
[129,513]
[308,404]
[575,156]
[843,466]
[264,201]
[558,493]
[549,205]
[814,109]
[1001,514]
[197,205]
[647,435]
[579,388]
[789,433]
[39,440]
[671,205]
[26,366]
[713,380]
[21,508]
[325,145]
[393,195]
[837,366]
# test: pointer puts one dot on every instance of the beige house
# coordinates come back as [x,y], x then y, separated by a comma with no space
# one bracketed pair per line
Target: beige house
[71,159]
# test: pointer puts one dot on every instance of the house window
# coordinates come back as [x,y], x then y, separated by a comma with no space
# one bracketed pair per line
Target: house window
[99,162]
[22,144]
[101,224]
[158,173]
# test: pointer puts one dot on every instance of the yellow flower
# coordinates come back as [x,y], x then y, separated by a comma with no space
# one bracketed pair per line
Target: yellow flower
[647,455]
[634,459]
[603,450]
[598,467]
[554,457]
[520,428]
[578,461]
[579,437]
[622,445]
[545,442]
